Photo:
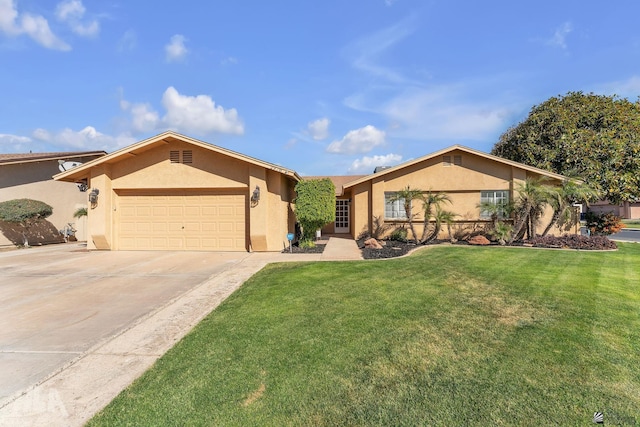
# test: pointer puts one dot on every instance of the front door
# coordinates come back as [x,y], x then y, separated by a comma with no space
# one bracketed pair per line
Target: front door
[342,216]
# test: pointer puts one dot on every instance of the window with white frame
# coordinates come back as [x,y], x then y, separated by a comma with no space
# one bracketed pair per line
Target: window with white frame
[393,209]
[495,197]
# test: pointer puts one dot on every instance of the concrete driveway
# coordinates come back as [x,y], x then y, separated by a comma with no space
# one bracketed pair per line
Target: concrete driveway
[61,304]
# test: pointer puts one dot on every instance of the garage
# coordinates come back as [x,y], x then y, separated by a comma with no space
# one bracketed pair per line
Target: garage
[171,192]
[181,220]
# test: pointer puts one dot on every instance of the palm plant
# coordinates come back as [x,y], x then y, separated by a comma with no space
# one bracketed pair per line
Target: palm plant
[496,211]
[80,212]
[441,216]
[430,202]
[562,202]
[534,195]
[407,196]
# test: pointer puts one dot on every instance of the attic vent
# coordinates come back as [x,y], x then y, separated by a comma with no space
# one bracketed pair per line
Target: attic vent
[187,156]
[174,156]
[457,160]
[446,160]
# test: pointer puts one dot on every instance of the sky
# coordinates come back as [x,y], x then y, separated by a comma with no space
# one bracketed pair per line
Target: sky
[322,87]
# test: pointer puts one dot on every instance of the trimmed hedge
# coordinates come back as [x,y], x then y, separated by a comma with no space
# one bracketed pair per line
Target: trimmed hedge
[315,205]
[22,210]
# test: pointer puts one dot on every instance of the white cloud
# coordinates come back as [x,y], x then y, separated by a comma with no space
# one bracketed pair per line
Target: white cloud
[629,88]
[89,139]
[437,113]
[230,60]
[189,114]
[15,24]
[143,118]
[8,15]
[13,143]
[367,164]
[41,134]
[365,54]
[128,41]
[72,12]
[175,50]
[360,140]
[319,129]
[198,114]
[559,38]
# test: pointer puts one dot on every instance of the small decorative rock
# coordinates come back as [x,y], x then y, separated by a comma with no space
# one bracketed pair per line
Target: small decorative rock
[372,243]
[479,240]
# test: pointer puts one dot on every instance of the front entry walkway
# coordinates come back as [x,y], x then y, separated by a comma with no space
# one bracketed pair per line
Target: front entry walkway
[341,247]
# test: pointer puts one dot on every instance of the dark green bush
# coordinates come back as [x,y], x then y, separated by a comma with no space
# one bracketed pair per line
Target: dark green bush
[23,210]
[315,205]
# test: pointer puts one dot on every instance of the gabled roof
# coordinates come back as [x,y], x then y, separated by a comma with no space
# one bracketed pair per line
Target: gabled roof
[447,150]
[7,159]
[338,180]
[81,171]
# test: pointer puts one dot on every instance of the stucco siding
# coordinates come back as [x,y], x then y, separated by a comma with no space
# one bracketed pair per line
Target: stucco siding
[33,181]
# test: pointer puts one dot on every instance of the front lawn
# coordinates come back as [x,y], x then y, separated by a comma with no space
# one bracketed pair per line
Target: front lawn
[448,336]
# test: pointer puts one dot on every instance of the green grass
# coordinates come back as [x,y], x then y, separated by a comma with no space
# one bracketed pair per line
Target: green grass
[448,336]
[632,223]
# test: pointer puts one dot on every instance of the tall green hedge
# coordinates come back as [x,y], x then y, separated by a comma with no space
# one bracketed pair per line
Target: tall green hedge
[24,210]
[315,205]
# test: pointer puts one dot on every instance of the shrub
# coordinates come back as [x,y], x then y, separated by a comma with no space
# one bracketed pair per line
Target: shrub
[24,210]
[399,234]
[603,224]
[315,205]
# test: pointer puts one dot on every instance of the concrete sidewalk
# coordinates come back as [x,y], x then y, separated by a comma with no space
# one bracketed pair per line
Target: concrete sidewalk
[74,393]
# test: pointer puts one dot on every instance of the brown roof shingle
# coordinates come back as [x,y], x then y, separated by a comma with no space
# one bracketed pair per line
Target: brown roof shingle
[34,157]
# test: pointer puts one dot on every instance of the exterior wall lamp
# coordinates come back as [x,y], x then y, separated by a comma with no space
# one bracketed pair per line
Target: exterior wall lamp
[255,196]
[93,196]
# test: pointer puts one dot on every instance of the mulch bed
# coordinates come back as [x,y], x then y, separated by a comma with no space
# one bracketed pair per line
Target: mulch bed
[295,249]
[395,248]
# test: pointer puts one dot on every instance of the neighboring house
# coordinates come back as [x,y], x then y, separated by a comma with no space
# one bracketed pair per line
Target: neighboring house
[626,210]
[29,176]
[172,192]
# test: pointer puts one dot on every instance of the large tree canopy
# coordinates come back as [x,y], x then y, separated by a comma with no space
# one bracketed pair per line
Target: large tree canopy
[594,137]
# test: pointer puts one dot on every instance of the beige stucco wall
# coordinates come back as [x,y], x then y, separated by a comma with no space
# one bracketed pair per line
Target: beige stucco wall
[462,183]
[267,221]
[33,181]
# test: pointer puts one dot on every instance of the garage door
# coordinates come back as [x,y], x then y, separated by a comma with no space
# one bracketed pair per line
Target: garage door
[181,221]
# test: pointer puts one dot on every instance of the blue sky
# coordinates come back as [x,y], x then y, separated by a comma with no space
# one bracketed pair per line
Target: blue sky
[322,87]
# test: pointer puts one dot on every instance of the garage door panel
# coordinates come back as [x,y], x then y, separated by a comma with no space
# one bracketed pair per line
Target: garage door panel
[181,222]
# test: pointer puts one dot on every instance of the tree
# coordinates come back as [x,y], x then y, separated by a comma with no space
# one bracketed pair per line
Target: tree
[431,202]
[315,205]
[594,137]
[25,212]
[407,196]
[563,200]
[440,216]
[533,196]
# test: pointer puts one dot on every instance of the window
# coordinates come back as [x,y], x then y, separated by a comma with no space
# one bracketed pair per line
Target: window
[497,197]
[395,209]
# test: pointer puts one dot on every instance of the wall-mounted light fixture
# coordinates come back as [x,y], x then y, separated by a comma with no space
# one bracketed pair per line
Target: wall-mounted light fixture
[82,185]
[255,196]
[93,196]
